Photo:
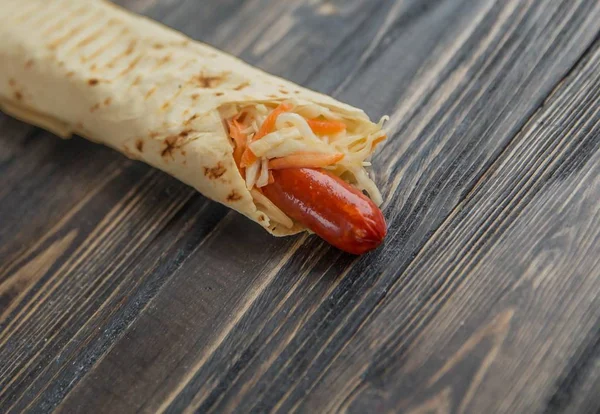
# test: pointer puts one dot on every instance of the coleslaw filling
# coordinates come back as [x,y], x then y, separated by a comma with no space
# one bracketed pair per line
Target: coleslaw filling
[288,135]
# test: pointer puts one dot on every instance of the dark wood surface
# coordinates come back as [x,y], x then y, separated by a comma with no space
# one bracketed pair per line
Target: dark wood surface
[122,290]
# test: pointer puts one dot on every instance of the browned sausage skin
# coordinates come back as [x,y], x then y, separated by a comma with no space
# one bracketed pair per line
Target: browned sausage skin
[324,203]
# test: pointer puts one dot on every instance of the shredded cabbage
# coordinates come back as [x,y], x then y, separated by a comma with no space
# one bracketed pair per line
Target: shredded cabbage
[286,142]
[314,111]
[271,209]
[262,109]
[252,174]
[283,150]
[263,178]
[364,183]
[272,140]
[293,135]
[297,121]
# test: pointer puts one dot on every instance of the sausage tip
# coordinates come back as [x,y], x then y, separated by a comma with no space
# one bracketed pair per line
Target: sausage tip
[337,212]
[366,238]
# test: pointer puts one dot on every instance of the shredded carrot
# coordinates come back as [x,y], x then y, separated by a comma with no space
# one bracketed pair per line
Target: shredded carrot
[305,160]
[380,139]
[248,158]
[269,123]
[326,127]
[235,132]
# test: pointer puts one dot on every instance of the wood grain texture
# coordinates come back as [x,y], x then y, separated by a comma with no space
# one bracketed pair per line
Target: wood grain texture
[123,291]
[520,251]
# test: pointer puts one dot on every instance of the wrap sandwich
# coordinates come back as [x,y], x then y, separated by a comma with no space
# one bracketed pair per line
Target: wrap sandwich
[284,156]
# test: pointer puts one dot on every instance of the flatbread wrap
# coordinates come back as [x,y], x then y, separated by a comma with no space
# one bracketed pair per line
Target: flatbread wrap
[286,157]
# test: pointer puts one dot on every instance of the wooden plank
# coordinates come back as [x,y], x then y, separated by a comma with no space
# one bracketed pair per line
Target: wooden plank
[429,84]
[44,179]
[510,287]
[492,64]
[65,280]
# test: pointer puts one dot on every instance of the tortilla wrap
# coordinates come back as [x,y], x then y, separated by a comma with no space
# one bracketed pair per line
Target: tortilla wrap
[93,69]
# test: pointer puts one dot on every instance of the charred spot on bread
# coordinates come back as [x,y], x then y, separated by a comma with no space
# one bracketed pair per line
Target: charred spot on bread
[191,119]
[209,81]
[234,196]
[175,142]
[241,86]
[171,144]
[215,172]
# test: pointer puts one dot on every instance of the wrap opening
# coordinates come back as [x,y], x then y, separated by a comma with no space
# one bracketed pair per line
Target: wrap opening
[268,136]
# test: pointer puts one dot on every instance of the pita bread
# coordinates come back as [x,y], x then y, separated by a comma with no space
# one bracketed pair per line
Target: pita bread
[93,69]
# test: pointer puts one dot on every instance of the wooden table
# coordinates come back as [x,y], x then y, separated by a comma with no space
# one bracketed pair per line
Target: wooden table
[122,290]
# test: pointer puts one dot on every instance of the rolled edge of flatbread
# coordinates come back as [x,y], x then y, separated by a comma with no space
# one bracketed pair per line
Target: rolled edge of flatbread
[95,70]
